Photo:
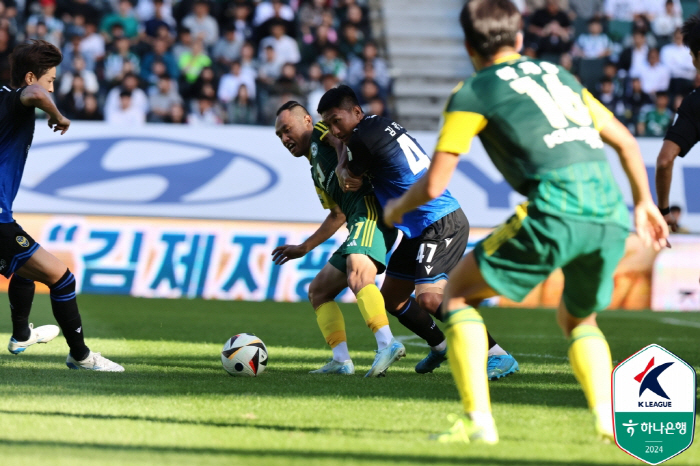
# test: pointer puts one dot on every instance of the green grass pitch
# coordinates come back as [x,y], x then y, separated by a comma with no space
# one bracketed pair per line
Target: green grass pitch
[175,405]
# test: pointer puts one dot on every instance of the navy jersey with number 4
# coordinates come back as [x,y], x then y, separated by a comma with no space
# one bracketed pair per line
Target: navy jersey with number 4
[394,162]
[16,134]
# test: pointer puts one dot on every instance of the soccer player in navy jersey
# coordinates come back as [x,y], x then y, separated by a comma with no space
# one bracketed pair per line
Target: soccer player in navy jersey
[33,70]
[435,234]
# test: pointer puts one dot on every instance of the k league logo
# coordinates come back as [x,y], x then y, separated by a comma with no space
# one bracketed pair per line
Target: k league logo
[654,404]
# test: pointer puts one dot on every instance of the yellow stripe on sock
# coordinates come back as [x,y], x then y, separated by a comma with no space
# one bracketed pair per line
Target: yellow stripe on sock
[591,362]
[371,304]
[467,351]
[330,321]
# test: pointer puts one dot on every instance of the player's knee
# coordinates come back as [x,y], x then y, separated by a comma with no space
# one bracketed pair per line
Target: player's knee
[361,272]
[429,302]
[317,293]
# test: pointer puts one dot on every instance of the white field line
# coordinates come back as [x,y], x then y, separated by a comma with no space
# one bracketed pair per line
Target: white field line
[680,322]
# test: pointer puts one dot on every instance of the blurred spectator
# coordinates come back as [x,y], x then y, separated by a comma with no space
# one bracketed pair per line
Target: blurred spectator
[277,17]
[92,86]
[54,26]
[268,9]
[351,42]
[242,110]
[163,99]
[286,48]
[328,81]
[313,81]
[241,21]
[610,72]
[205,85]
[230,82]
[611,100]
[594,44]
[655,119]
[72,48]
[552,29]
[120,61]
[356,68]
[314,44]
[73,101]
[586,9]
[177,115]
[92,44]
[676,57]
[369,90]
[620,10]
[677,212]
[201,24]
[138,96]
[126,114]
[655,76]
[634,58]
[667,21]
[634,101]
[205,113]
[192,62]
[160,52]
[157,18]
[331,62]
[183,44]
[377,106]
[311,14]
[227,48]
[270,68]
[356,16]
[288,82]
[91,111]
[248,60]
[125,16]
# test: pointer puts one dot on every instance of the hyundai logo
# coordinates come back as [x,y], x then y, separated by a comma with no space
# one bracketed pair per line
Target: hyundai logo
[143,170]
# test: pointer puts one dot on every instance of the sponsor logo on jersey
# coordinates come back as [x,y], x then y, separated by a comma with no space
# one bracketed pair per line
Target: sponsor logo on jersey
[22,241]
[352,243]
[314,149]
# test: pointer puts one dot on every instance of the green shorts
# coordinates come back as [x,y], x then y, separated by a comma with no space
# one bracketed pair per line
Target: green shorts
[522,253]
[368,236]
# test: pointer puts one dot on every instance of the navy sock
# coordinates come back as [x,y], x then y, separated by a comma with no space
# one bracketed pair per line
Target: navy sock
[21,295]
[65,310]
[419,321]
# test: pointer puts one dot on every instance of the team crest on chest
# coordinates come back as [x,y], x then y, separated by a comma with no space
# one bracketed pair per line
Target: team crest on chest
[314,149]
[22,241]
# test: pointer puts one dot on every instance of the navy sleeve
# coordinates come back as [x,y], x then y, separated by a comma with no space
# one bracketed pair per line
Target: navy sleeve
[15,103]
[359,158]
[684,131]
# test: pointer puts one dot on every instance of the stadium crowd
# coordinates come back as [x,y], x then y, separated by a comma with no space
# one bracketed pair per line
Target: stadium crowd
[628,53]
[236,61]
[198,61]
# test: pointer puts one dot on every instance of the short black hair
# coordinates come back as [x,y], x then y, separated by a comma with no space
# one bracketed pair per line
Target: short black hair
[489,25]
[338,97]
[37,56]
[691,33]
[290,105]
[662,94]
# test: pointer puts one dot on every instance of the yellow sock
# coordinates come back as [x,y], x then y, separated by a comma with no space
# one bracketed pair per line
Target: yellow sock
[371,303]
[467,350]
[330,321]
[590,358]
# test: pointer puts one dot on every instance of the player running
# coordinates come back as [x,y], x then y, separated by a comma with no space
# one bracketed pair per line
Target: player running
[435,235]
[33,69]
[358,260]
[545,134]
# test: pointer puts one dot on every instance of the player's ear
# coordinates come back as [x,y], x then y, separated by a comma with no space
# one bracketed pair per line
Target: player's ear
[30,78]
[519,41]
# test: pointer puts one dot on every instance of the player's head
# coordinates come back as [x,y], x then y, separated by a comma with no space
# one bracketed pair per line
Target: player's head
[341,111]
[490,27]
[691,37]
[35,63]
[294,127]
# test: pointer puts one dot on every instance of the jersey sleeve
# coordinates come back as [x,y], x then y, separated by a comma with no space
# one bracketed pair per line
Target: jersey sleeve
[600,114]
[684,130]
[322,130]
[14,102]
[359,158]
[462,120]
[325,199]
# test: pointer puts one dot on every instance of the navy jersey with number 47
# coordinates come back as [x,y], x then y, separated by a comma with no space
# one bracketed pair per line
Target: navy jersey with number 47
[394,162]
[16,134]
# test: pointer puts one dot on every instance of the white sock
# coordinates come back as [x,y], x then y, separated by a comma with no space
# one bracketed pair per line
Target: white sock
[441,347]
[497,351]
[340,352]
[384,337]
[480,418]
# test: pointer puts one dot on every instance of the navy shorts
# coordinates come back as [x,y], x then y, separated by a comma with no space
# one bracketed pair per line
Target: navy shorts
[16,247]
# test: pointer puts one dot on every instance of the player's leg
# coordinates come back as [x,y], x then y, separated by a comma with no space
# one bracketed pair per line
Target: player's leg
[21,294]
[43,267]
[323,290]
[588,288]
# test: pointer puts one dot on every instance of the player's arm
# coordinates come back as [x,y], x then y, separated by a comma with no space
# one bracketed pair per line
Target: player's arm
[36,96]
[353,162]
[333,222]
[664,173]
[458,130]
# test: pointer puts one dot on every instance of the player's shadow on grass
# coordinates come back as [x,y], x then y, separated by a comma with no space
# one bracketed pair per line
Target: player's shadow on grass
[198,375]
[287,454]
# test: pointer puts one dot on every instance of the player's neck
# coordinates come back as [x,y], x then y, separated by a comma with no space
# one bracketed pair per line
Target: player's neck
[502,55]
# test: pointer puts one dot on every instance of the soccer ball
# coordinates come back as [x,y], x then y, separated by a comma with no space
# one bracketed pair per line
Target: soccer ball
[244,354]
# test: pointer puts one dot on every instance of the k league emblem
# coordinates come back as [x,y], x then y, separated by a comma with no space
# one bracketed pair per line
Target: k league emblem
[654,404]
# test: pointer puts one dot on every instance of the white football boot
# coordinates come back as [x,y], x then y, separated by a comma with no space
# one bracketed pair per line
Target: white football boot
[43,334]
[94,362]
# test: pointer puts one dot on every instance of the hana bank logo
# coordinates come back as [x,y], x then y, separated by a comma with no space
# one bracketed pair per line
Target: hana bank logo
[143,170]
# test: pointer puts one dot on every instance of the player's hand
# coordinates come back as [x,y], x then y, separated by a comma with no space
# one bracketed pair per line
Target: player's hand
[59,124]
[671,221]
[651,225]
[392,215]
[347,181]
[282,254]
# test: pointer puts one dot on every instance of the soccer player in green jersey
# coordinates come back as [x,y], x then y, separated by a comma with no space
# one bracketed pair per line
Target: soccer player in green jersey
[358,260]
[545,134]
